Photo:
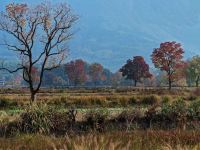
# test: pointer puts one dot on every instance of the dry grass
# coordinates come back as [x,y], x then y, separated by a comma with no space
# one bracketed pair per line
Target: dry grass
[109,140]
[138,140]
[88,98]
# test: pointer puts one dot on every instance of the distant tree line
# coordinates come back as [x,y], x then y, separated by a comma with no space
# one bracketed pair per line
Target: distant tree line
[81,73]
[171,71]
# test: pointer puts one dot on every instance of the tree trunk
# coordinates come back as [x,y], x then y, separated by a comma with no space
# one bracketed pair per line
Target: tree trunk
[170,83]
[33,97]
[135,83]
[197,81]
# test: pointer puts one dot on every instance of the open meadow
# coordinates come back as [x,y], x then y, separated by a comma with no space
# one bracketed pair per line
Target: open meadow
[101,118]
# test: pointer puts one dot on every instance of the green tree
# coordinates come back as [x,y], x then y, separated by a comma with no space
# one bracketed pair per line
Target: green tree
[193,70]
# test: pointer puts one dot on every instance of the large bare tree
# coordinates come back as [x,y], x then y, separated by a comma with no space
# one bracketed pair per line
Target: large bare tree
[39,36]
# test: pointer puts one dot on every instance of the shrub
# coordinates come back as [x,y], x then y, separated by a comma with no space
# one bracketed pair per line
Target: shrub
[166,99]
[176,112]
[96,119]
[128,119]
[132,101]
[9,129]
[192,97]
[36,119]
[4,103]
[151,116]
[151,100]
[63,121]
[123,101]
[40,119]
[129,116]
[194,110]
[177,108]
[63,99]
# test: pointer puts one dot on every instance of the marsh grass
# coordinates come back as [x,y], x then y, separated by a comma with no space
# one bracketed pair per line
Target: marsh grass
[86,100]
[111,120]
[138,140]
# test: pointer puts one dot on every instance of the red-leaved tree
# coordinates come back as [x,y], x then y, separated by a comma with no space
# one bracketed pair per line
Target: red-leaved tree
[136,69]
[96,73]
[76,71]
[168,58]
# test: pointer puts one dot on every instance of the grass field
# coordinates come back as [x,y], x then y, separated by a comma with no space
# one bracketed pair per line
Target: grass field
[101,119]
[138,140]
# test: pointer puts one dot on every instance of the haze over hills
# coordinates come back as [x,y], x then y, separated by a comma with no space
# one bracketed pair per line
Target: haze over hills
[112,31]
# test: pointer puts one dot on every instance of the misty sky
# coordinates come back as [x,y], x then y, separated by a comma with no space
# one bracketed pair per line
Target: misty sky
[112,31]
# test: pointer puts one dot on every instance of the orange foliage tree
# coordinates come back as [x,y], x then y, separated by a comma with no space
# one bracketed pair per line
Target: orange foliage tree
[76,71]
[96,73]
[168,58]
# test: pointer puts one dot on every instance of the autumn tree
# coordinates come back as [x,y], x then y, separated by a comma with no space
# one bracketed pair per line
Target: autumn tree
[96,72]
[39,36]
[106,77]
[193,70]
[136,69]
[76,72]
[116,78]
[168,58]
[181,74]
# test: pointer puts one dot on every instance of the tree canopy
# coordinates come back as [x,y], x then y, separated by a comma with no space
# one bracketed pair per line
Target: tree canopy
[136,69]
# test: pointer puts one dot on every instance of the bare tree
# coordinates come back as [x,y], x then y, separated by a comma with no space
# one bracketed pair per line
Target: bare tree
[40,35]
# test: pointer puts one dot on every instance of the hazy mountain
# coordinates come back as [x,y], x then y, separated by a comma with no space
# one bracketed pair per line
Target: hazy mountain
[111,31]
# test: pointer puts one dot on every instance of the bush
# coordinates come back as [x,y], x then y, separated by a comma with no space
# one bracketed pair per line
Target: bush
[123,101]
[194,110]
[36,119]
[10,129]
[166,99]
[151,100]
[192,98]
[96,119]
[128,119]
[63,121]
[132,101]
[129,116]
[177,108]
[176,112]
[4,103]
[40,119]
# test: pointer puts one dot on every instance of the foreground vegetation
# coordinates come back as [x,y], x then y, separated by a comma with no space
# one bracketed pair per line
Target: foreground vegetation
[138,140]
[101,119]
